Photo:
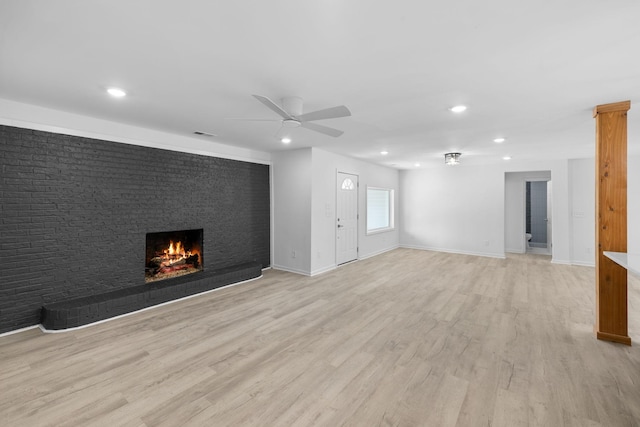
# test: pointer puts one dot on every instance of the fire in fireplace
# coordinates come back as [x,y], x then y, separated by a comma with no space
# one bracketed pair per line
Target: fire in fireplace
[173,253]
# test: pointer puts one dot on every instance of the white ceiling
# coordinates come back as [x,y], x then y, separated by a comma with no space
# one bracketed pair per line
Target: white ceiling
[528,71]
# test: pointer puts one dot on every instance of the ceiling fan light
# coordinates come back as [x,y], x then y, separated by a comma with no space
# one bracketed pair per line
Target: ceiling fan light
[291,123]
[452,159]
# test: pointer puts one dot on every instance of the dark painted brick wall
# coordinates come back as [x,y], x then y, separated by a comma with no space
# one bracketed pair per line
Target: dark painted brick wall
[74,213]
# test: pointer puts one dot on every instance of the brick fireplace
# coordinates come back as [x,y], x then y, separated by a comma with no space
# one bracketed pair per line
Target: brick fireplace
[76,213]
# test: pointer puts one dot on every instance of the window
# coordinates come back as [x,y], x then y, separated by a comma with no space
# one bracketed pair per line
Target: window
[379,210]
[347,184]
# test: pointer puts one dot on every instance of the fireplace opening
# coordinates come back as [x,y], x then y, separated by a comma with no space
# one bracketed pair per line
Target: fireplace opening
[172,253]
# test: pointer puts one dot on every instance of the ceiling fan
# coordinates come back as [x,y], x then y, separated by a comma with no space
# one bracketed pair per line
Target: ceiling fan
[292,117]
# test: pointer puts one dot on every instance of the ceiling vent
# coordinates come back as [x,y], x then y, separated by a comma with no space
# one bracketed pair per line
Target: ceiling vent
[204,133]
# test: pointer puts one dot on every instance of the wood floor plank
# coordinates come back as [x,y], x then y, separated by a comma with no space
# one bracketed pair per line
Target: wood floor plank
[406,338]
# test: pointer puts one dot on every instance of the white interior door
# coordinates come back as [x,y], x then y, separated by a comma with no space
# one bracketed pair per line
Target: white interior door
[346,218]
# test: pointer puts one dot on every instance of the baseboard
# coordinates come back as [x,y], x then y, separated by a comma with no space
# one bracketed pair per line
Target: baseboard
[59,331]
[584,264]
[380,252]
[515,250]
[290,270]
[323,270]
[621,339]
[454,251]
[331,267]
[560,261]
[17,331]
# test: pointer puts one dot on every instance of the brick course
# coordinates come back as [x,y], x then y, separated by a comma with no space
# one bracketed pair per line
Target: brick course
[74,213]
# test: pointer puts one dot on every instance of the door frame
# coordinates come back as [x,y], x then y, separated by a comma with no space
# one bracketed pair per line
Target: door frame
[335,219]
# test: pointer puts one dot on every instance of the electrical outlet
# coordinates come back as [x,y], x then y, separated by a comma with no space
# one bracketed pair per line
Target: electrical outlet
[487,242]
[293,254]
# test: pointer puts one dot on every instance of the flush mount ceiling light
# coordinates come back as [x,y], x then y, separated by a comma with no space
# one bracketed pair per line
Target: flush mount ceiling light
[499,140]
[506,158]
[417,165]
[458,108]
[285,140]
[116,92]
[384,152]
[452,159]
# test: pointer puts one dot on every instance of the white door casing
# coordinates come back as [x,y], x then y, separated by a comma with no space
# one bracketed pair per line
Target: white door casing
[549,217]
[346,218]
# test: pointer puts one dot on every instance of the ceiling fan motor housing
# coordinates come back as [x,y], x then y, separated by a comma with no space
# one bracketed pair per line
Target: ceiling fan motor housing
[291,123]
[292,105]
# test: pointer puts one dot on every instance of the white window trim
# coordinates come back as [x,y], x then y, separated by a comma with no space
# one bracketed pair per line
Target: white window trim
[391,226]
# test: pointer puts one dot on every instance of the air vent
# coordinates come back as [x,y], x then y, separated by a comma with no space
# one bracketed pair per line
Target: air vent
[204,133]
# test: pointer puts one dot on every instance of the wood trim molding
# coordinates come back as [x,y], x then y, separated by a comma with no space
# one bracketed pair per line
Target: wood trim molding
[611,221]
[609,108]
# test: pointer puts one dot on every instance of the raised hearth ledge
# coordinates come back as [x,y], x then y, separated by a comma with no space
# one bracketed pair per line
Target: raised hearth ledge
[86,311]
[629,261]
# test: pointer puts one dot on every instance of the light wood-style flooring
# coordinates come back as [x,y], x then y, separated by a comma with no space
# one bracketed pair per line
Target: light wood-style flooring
[406,338]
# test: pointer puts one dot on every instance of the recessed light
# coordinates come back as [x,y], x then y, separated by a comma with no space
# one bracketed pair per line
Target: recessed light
[384,153]
[417,165]
[116,92]
[458,108]
[285,140]
[499,140]
[506,158]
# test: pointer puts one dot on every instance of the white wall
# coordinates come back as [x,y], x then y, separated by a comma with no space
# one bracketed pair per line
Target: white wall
[633,205]
[453,209]
[515,206]
[582,174]
[304,198]
[326,165]
[291,198]
[461,209]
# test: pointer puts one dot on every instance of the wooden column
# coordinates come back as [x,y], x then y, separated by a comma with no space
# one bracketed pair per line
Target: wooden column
[611,220]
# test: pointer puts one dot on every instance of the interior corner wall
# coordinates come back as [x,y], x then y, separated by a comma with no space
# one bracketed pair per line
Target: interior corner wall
[461,209]
[292,210]
[326,165]
[457,209]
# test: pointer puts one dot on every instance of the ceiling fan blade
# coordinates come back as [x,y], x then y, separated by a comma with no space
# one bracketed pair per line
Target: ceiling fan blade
[252,120]
[322,129]
[272,106]
[327,113]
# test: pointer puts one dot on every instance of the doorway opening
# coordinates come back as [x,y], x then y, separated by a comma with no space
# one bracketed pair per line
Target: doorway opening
[538,217]
[526,221]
